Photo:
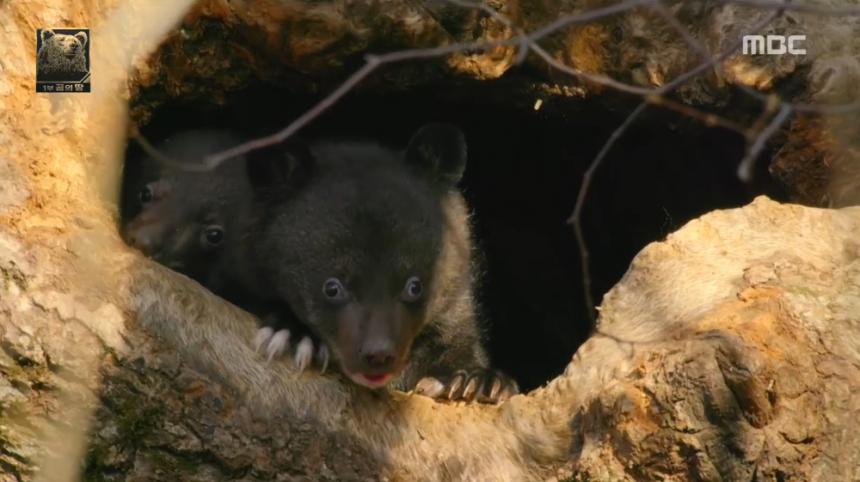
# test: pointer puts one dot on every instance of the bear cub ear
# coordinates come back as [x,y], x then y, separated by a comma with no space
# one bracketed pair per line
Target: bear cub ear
[273,169]
[438,150]
[82,37]
[46,34]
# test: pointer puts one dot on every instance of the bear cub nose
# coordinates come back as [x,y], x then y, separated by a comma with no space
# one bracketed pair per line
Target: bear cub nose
[379,360]
[378,355]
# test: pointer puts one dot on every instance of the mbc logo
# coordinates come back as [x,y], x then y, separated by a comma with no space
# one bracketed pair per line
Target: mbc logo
[773,44]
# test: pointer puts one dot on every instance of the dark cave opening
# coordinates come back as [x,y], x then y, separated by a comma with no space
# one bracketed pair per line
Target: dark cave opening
[522,179]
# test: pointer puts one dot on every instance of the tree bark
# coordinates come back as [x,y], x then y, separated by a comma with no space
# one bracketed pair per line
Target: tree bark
[730,350]
[311,46]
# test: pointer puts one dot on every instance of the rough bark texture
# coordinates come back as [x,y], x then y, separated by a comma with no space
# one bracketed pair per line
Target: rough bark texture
[311,46]
[729,351]
[819,162]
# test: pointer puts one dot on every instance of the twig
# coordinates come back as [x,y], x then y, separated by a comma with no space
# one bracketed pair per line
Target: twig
[681,30]
[374,61]
[745,168]
[575,219]
[826,109]
[596,78]
[154,153]
[707,118]
[522,37]
[585,17]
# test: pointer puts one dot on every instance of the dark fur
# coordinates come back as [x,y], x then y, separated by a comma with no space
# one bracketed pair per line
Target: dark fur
[171,228]
[373,218]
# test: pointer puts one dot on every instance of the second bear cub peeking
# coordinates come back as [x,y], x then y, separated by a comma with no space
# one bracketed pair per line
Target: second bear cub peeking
[362,253]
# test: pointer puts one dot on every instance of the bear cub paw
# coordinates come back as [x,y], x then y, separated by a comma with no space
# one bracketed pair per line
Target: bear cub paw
[483,385]
[274,343]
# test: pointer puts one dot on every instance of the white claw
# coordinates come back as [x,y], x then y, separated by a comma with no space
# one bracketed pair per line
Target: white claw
[279,343]
[262,337]
[430,387]
[323,356]
[304,353]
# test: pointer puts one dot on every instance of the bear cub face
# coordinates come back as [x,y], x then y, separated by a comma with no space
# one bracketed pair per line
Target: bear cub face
[351,242]
[186,218]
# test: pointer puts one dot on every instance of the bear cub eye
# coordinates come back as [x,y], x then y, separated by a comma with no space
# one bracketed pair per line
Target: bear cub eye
[145,195]
[413,290]
[213,235]
[334,290]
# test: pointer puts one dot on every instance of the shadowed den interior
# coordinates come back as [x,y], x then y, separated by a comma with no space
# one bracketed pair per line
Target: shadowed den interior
[522,179]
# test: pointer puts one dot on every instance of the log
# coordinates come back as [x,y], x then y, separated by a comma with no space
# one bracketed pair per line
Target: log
[729,350]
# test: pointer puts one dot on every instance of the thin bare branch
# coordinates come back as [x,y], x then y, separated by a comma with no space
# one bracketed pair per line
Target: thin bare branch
[585,17]
[826,109]
[595,78]
[707,118]
[733,48]
[151,151]
[745,168]
[372,62]
[575,219]
[688,38]
[375,61]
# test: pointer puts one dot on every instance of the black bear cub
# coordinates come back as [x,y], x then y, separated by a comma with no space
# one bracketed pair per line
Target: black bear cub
[185,220]
[370,249]
[346,250]
[194,222]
